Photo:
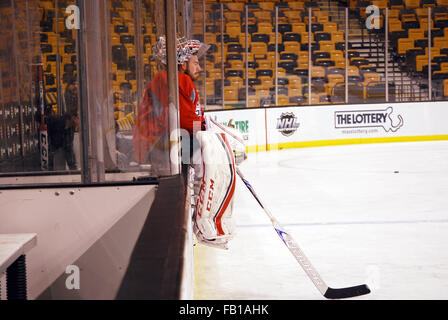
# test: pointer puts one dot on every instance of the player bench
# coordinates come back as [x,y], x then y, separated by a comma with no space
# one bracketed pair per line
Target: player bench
[13,248]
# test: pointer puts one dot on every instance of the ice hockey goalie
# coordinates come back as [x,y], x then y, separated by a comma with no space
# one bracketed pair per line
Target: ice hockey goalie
[212,218]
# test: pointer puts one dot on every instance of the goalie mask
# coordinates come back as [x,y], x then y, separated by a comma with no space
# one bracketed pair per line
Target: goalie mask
[185,49]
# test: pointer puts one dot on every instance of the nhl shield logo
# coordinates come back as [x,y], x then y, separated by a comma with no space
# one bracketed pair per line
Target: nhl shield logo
[287,124]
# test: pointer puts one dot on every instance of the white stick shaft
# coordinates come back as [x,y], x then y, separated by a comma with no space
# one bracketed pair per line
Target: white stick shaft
[223,128]
[289,241]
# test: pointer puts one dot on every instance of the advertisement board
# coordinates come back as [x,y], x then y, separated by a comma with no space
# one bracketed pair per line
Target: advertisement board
[250,122]
[297,127]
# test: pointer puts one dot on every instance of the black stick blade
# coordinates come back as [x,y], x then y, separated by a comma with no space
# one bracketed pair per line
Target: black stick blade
[347,292]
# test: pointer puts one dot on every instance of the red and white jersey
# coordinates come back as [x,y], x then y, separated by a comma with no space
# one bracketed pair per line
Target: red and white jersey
[153,122]
[189,104]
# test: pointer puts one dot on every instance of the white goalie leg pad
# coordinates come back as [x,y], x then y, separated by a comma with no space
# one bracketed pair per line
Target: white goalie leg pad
[212,220]
[234,137]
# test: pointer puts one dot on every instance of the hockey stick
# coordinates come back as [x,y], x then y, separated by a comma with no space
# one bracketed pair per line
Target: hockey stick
[327,292]
[43,134]
[225,129]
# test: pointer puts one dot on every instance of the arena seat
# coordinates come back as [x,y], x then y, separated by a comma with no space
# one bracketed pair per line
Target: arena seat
[327,40]
[375,91]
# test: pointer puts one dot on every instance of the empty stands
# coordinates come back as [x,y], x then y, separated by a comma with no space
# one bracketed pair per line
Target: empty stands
[408,35]
[327,54]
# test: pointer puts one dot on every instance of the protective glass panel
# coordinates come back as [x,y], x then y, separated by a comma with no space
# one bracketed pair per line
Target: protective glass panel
[139,88]
[61,94]
[214,58]
[11,148]
[38,87]
[198,32]
[366,54]
[435,19]
[318,44]
[123,84]
[261,41]
[124,79]
[292,61]
[403,52]
[407,52]
[235,56]
[65,92]
[329,54]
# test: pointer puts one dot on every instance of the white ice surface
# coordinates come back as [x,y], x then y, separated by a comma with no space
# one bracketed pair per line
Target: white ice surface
[375,214]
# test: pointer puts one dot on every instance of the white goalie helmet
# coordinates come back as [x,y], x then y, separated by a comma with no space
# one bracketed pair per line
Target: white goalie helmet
[185,49]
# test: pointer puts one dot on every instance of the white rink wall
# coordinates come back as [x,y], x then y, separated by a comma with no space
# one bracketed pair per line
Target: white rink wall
[297,127]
